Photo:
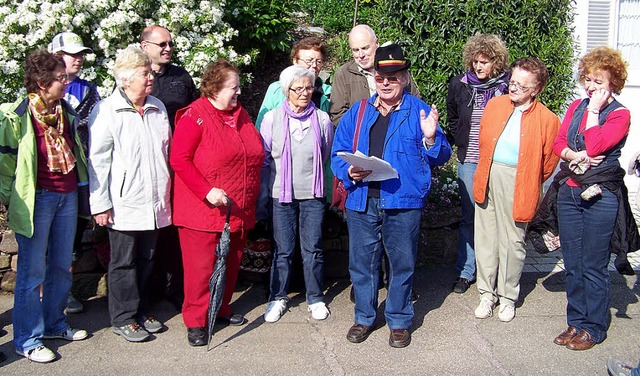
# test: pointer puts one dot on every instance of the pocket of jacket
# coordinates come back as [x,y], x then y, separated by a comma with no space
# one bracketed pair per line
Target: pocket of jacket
[124,179]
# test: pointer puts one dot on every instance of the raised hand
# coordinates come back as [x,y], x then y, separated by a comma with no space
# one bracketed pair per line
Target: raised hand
[599,98]
[429,124]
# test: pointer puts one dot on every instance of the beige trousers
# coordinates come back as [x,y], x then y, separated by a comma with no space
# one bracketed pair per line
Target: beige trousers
[499,240]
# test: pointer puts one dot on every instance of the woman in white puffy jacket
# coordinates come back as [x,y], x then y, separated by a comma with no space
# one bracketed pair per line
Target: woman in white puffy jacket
[129,138]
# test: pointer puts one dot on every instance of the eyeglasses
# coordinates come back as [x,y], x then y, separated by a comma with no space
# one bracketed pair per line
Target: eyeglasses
[301,90]
[311,62]
[146,74]
[62,78]
[390,79]
[162,44]
[519,87]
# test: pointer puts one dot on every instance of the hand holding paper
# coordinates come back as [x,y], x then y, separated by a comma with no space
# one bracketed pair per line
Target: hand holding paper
[380,169]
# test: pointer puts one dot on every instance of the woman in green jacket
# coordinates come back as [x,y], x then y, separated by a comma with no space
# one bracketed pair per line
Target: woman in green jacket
[42,168]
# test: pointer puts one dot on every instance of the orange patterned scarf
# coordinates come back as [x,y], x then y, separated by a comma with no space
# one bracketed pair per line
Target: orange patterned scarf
[59,155]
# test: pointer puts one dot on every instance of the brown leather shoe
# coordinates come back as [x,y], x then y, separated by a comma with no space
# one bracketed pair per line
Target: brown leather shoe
[582,341]
[358,333]
[563,338]
[399,338]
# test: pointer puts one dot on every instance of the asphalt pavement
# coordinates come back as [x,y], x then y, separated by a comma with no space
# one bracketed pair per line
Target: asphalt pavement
[447,338]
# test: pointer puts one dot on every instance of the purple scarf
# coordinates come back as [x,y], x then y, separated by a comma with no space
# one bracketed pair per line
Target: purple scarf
[489,88]
[286,180]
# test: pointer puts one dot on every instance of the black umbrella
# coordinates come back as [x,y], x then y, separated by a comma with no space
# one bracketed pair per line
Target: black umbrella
[218,278]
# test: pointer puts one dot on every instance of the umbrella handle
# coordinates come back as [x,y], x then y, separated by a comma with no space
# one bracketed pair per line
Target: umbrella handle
[229,203]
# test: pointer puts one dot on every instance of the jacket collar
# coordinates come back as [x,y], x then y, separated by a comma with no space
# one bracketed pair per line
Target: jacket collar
[123,103]
[403,105]
[22,108]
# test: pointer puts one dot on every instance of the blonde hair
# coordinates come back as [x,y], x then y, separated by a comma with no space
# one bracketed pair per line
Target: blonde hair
[127,61]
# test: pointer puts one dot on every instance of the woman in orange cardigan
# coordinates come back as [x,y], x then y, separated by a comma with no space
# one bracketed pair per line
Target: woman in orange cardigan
[516,156]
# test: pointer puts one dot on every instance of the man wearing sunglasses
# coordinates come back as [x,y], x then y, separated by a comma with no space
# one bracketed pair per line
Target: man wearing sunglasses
[354,81]
[175,88]
[173,85]
[402,130]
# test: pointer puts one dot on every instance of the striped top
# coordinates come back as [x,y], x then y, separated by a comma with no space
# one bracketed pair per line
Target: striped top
[473,150]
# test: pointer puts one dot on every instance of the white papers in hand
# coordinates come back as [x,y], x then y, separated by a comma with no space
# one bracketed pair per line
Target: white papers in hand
[380,170]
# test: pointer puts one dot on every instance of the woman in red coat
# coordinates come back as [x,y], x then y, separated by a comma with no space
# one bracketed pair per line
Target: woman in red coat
[216,153]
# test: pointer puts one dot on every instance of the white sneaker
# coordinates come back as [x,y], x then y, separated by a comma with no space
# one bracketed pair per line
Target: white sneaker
[39,354]
[70,334]
[275,309]
[484,309]
[506,313]
[319,311]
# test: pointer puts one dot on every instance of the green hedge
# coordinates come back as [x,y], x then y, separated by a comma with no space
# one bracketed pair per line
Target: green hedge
[336,16]
[433,33]
[263,26]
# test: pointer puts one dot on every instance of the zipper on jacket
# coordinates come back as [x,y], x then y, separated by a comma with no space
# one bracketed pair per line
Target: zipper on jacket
[124,178]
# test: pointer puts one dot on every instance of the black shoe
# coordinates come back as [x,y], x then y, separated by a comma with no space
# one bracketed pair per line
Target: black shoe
[235,319]
[352,295]
[197,336]
[461,286]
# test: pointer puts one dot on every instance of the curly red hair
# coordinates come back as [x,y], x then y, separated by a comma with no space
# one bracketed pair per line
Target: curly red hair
[605,59]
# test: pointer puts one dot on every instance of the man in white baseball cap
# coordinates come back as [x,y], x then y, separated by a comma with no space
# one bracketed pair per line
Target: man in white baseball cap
[81,96]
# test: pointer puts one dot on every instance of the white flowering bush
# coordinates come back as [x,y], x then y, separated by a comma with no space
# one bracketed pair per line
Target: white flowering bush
[108,26]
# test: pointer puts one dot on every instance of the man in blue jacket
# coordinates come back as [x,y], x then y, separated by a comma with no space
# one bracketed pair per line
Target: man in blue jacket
[402,130]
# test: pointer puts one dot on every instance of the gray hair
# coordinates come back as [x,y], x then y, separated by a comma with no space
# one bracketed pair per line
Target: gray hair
[292,74]
[127,61]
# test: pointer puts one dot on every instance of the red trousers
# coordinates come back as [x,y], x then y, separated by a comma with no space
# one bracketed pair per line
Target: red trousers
[198,259]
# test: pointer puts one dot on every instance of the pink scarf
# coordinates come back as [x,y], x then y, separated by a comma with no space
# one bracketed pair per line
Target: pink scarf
[286,180]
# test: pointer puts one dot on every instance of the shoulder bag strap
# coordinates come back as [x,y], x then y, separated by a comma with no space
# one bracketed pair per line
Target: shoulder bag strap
[363,107]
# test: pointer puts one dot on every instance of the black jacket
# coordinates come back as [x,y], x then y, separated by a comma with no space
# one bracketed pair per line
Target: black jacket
[459,111]
[175,89]
[625,236]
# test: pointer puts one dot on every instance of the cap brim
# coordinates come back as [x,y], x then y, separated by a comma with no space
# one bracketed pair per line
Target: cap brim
[72,50]
[391,67]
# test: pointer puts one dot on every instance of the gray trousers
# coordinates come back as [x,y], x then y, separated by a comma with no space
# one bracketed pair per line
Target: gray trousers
[129,271]
[499,240]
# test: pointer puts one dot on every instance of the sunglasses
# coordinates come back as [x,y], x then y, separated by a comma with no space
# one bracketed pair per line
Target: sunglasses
[162,44]
[390,79]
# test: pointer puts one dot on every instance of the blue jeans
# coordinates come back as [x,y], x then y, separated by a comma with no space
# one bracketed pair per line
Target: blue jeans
[307,215]
[466,259]
[397,230]
[44,259]
[585,235]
